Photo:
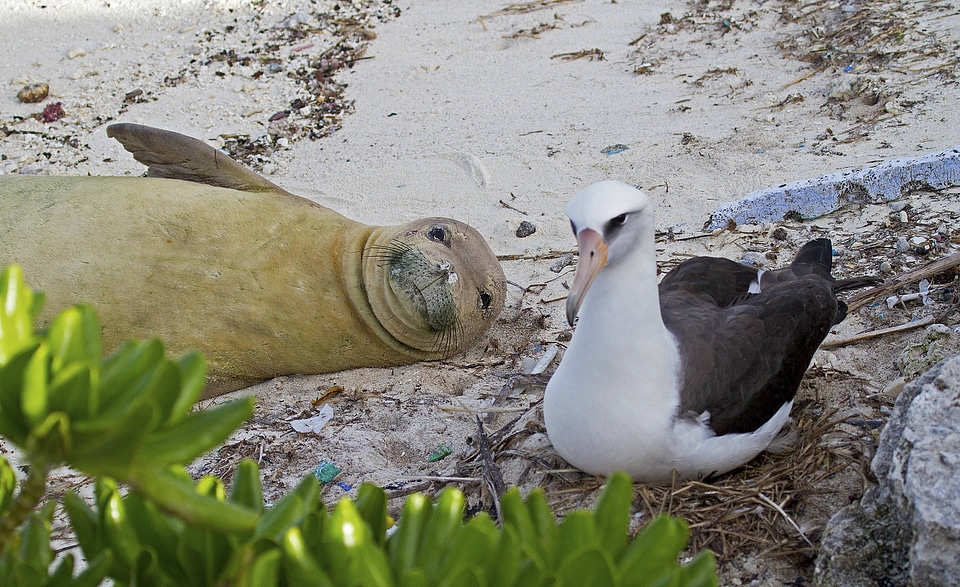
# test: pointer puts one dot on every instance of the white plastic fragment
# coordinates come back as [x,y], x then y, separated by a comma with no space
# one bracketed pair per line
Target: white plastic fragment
[920,295]
[545,360]
[818,196]
[314,424]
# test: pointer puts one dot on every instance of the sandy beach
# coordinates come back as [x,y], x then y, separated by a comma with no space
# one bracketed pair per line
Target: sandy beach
[495,114]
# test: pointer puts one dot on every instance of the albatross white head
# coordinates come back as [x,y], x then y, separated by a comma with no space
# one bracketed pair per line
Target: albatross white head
[611,221]
[612,402]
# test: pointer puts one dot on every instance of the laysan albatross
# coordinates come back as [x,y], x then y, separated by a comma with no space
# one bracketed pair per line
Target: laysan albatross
[688,378]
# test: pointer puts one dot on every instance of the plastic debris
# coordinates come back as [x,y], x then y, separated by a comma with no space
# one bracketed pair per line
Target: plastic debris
[442,452]
[811,198]
[545,360]
[326,472]
[614,149]
[343,486]
[922,295]
[315,423]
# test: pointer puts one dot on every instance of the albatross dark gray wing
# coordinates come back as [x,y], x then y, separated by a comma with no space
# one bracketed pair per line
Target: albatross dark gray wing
[743,355]
[172,155]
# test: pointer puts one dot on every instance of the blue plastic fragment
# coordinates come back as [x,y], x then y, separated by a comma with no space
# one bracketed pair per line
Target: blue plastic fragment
[815,197]
[343,486]
[614,149]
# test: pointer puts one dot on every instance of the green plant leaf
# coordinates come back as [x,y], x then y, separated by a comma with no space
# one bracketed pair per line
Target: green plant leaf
[85,524]
[159,532]
[300,566]
[193,378]
[404,544]
[444,523]
[290,510]
[246,488]
[125,373]
[545,526]
[464,576]
[577,531]
[589,567]
[18,307]
[612,514]
[472,548]
[35,549]
[35,390]
[8,483]
[120,535]
[264,571]
[70,391]
[517,517]
[177,495]
[510,561]
[654,551]
[195,434]
[110,451]
[93,574]
[50,441]
[74,336]
[701,571]
[371,503]
[13,423]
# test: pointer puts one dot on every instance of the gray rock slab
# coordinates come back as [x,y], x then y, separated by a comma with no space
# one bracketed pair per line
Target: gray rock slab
[815,197]
[906,530]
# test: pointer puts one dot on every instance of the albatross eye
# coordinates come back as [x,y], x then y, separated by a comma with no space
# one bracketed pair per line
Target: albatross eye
[614,224]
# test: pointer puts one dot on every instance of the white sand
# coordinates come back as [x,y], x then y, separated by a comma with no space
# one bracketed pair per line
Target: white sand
[456,112]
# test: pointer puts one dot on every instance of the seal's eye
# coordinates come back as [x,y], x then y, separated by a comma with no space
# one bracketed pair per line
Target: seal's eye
[485,300]
[437,234]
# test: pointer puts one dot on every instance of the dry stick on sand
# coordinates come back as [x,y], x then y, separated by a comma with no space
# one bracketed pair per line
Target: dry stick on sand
[915,275]
[875,333]
[864,297]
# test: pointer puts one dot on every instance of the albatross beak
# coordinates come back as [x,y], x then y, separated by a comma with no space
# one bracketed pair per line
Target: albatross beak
[593,256]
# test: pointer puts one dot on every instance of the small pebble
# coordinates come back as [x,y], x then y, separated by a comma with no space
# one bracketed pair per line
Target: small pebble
[921,245]
[33,93]
[902,246]
[564,261]
[525,229]
[885,267]
[903,216]
[780,233]
[76,52]
[898,206]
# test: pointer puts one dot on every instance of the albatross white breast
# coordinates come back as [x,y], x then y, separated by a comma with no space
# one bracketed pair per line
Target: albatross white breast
[693,376]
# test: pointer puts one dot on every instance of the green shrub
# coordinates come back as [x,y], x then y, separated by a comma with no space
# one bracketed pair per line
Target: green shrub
[128,419]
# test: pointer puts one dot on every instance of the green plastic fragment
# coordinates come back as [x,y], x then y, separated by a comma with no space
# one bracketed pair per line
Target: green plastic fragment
[442,452]
[326,472]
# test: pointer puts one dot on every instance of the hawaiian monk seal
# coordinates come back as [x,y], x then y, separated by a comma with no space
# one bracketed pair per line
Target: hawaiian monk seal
[207,255]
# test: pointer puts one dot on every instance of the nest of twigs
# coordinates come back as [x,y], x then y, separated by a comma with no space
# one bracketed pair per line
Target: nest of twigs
[759,507]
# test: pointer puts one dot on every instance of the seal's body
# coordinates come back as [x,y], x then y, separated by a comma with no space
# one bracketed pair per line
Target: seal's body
[262,282]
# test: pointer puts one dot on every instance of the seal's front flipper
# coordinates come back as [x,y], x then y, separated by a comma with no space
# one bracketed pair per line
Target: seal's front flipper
[172,155]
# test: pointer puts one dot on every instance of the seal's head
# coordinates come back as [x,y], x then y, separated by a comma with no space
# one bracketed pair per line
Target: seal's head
[434,284]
